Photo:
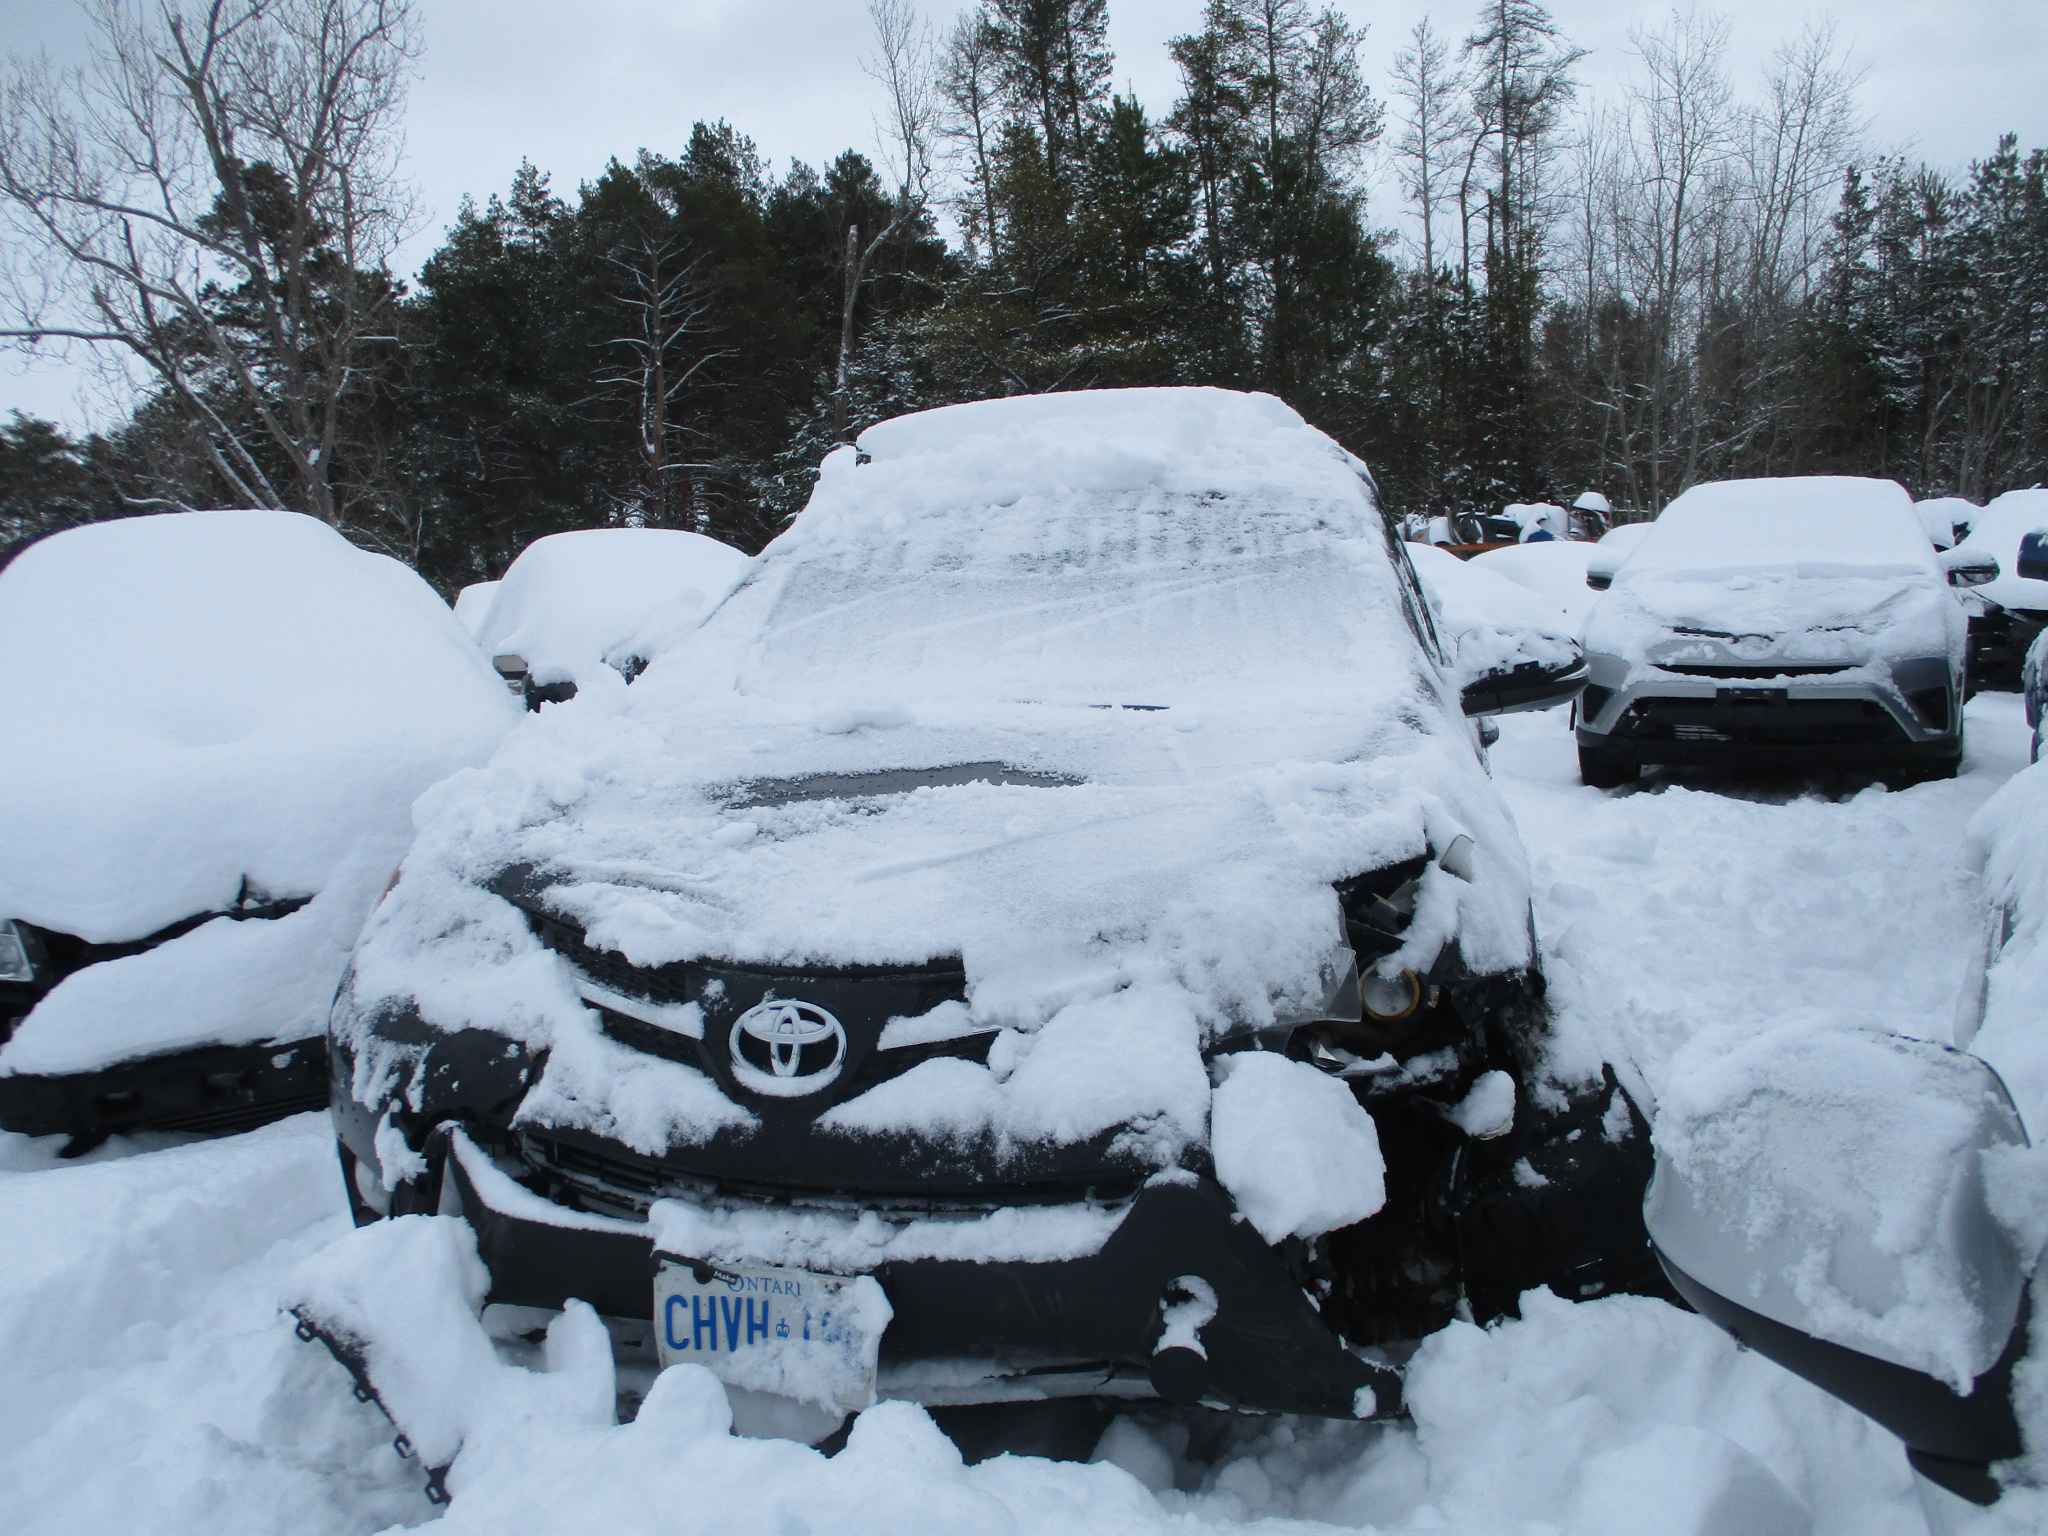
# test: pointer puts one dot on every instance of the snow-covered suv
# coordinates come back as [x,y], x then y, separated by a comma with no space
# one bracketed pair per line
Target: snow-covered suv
[217,725]
[1052,924]
[1797,622]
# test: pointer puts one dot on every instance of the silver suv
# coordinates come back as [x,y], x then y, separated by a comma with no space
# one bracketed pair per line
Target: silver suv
[1787,623]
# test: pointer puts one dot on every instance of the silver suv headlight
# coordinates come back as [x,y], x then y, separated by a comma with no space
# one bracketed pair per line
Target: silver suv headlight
[15,964]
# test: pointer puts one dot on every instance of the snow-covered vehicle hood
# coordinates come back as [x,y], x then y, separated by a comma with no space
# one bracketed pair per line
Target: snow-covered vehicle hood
[1817,569]
[1792,614]
[203,704]
[1096,696]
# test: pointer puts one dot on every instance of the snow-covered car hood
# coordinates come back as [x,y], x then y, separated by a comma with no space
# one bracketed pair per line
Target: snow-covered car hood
[1146,662]
[203,704]
[1792,614]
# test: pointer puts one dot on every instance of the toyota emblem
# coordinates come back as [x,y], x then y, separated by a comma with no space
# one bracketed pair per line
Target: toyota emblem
[783,1048]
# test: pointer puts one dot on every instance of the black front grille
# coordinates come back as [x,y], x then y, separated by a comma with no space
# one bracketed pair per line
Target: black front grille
[678,982]
[1787,722]
[1741,670]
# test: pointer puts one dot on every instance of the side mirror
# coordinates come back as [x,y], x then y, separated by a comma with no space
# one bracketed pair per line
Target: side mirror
[1971,567]
[1526,685]
[2033,562]
[1821,1196]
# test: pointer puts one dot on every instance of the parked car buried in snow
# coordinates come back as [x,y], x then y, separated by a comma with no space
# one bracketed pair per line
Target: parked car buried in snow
[1053,916]
[574,603]
[1782,623]
[2009,611]
[220,721]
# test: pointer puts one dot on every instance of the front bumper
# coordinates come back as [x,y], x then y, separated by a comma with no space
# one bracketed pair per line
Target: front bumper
[1098,1313]
[213,1088]
[1680,719]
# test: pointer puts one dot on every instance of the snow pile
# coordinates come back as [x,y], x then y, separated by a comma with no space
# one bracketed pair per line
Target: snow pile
[473,605]
[1486,620]
[2010,837]
[405,1296]
[1593,501]
[1831,1172]
[1281,1128]
[573,601]
[1997,530]
[1161,631]
[1815,569]
[227,982]
[213,698]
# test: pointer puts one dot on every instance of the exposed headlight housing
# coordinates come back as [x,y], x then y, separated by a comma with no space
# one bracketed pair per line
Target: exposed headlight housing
[16,963]
[1389,999]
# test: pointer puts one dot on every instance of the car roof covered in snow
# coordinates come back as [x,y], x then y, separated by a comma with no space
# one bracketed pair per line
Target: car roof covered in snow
[1824,522]
[473,605]
[200,698]
[570,600]
[1942,515]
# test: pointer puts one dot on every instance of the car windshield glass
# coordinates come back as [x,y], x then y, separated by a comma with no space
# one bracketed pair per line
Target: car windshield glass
[1153,599]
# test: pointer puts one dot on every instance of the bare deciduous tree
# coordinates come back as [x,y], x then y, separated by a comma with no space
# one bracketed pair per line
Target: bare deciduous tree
[216,195]
[902,66]
[1433,127]
[665,304]
[970,81]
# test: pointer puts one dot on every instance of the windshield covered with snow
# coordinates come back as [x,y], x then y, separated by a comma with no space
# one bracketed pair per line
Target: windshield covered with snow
[1816,526]
[1044,564]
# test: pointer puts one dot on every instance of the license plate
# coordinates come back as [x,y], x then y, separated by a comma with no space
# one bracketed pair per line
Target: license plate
[816,1338]
[1752,695]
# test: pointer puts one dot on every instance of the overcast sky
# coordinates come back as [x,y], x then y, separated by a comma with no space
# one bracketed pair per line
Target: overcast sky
[570,85]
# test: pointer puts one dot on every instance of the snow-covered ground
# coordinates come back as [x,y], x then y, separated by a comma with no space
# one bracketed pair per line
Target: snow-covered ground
[150,1382]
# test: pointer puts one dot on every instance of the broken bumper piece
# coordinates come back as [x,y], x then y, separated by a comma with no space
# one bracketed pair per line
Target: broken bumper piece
[1099,1310]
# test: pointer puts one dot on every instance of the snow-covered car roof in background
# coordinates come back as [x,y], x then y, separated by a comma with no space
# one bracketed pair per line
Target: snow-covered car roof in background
[1553,569]
[1593,501]
[1997,530]
[1823,522]
[572,601]
[473,605]
[1531,515]
[1942,515]
[197,698]
[1485,616]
